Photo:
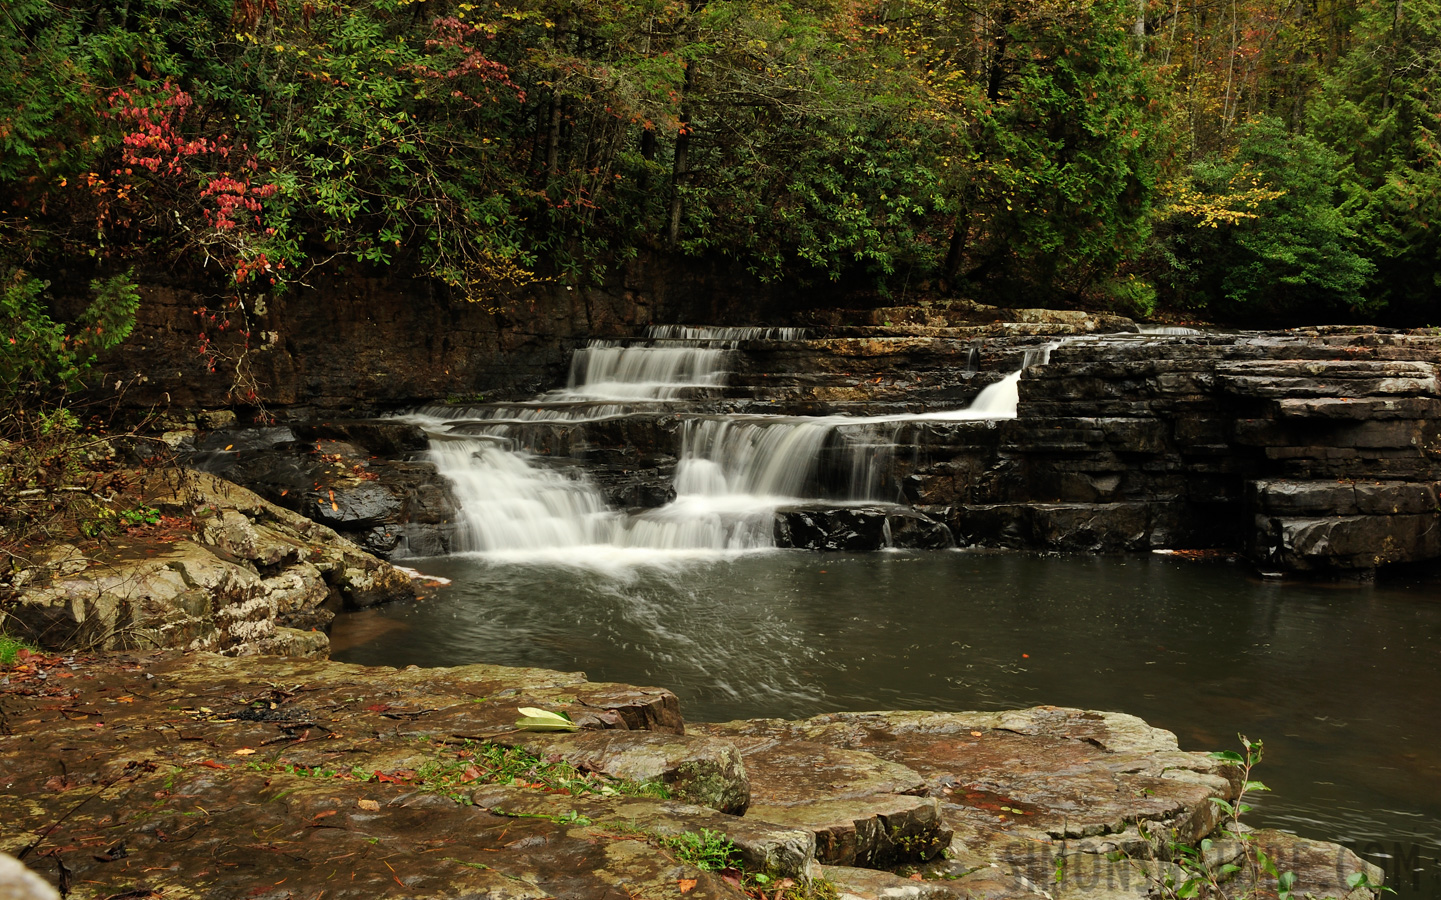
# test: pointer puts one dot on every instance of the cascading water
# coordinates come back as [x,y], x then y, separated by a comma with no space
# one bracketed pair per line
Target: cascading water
[732,472]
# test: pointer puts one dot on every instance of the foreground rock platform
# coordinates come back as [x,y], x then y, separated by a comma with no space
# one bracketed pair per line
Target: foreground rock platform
[163,775]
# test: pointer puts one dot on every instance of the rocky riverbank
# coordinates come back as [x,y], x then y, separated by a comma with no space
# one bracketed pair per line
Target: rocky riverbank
[200,775]
[223,570]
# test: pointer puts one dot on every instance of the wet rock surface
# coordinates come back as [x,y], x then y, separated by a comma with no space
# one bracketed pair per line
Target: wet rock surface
[1205,440]
[241,576]
[860,529]
[367,480]
[208,776]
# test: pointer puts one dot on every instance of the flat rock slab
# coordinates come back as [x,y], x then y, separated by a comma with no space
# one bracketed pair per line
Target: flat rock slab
[871,884]
[863,810]
[200,833]
[1052,772]
[210,776]
[1022,792]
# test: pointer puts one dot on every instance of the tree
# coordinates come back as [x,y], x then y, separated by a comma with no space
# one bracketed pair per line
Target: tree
[1380,111]
[1269,233]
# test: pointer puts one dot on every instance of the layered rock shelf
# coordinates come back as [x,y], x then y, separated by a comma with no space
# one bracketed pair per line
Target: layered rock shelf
[1313,451]
[210,776]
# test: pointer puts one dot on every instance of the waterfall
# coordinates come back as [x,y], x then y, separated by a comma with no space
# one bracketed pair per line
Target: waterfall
[1000,400]
[727,336]
[1166,330]
[607,371]
[732,472]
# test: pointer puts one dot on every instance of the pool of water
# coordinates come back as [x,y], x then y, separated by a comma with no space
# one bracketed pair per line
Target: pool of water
[1343,683]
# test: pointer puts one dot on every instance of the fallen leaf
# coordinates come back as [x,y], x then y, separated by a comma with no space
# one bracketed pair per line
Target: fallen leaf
[244,751]
[371,805]
[686,885]
[212,764]
[975,734]
[124,699]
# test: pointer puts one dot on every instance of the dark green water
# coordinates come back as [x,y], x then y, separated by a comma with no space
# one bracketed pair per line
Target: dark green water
[1342,683]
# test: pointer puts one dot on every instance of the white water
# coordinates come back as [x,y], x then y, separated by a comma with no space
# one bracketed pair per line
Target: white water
[732,473]
[608,371]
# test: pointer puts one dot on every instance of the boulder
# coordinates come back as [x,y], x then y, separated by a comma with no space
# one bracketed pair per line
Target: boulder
[250,578]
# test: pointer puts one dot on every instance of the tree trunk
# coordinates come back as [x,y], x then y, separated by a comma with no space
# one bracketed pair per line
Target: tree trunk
[552,141]
[956,251]
[647,153]
[680,169]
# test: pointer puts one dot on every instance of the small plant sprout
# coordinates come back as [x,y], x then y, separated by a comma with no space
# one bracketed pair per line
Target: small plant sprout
[1229,865]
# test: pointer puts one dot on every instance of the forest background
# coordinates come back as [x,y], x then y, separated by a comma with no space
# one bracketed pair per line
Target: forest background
[1248,161]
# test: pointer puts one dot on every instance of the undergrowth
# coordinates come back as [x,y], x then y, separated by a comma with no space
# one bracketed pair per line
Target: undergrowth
[10,649]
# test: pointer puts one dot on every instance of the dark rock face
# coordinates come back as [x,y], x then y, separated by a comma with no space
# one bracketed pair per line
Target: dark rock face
[345,475]
[1313,451]
[363,343]
[1318,525]
[860,529]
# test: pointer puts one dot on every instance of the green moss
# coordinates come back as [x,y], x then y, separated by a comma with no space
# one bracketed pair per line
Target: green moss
[10,649]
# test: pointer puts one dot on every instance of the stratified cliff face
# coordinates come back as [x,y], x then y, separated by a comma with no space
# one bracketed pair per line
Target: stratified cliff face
[367,343]
[1312,450]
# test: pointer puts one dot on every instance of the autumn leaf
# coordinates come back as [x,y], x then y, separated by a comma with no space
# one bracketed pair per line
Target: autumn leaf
[686,885]
[369,805]
[542,720]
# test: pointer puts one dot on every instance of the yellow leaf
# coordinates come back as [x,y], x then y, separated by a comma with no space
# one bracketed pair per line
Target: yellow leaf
[370,805]
[244,751]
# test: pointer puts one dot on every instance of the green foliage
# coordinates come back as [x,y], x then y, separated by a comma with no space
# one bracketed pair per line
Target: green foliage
[1067,140]
[1379,111]
[1006,147]
[1203,870]
[39,355]
[709,851]
[1301,248]
[10,649]
[139,516]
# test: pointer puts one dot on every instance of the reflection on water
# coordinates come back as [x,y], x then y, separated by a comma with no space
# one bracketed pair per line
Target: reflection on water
[1341,683]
